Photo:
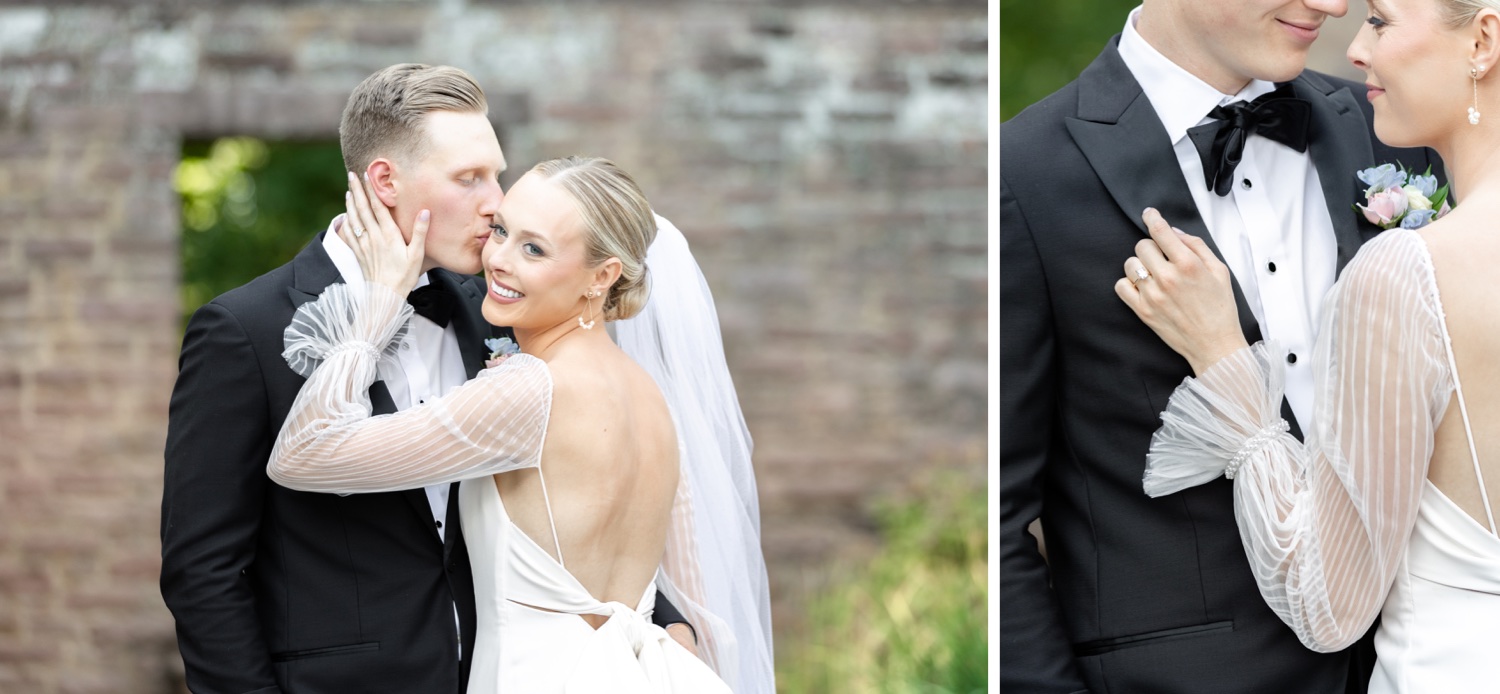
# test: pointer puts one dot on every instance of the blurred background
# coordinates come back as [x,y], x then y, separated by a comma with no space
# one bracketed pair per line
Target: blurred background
[1044,45]
[826,161]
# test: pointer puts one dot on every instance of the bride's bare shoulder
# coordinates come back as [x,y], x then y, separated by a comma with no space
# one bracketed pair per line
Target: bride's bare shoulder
[1464,239]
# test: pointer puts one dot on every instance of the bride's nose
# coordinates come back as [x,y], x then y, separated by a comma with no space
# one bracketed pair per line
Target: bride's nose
[1359,50]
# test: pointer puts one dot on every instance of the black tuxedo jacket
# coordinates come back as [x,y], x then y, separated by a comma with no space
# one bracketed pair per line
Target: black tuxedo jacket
[277,590]
[1136,594]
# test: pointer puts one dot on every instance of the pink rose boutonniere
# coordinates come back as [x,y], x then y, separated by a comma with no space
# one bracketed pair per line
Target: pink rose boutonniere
[1396,197]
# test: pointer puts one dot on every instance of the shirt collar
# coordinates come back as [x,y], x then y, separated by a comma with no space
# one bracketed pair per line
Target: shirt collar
[1181,99]
[343,257]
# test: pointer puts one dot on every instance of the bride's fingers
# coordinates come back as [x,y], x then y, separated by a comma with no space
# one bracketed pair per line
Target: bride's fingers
[380,213]
[350,231]
[1128,293]
[1168,239]
[364,217]
[1151,257]
[419,234]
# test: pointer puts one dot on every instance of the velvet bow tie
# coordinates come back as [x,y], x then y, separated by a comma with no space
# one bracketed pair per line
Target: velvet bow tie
[433,303]
[1278,116]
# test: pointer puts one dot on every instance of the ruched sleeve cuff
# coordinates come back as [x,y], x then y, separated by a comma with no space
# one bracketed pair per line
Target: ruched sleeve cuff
[372,319]
[1214,423]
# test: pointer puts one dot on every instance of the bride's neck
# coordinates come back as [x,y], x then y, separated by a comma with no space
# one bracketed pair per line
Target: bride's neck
[543,343]
[1472,159]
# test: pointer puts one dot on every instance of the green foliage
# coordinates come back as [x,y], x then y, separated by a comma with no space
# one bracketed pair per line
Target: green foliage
[1044,45]
[249,206]
[914,621]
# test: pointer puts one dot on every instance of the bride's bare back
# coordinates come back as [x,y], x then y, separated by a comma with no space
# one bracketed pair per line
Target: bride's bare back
[1465,255]
[611,469]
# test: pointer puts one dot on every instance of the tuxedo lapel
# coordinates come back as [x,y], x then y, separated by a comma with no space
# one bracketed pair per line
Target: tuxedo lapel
[1339,144]
[312,272]
[1124,141]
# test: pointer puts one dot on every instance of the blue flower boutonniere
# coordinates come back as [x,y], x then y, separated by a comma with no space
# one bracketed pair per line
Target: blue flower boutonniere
[1396,197]
[500,348]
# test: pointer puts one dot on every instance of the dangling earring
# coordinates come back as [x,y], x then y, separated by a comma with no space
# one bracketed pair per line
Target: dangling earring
[1474,110]
[588,301]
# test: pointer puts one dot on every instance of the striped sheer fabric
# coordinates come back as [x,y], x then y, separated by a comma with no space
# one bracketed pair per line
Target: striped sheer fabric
[1325,523]
[330,443]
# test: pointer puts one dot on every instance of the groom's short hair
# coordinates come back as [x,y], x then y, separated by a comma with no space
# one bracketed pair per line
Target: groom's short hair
[384,115]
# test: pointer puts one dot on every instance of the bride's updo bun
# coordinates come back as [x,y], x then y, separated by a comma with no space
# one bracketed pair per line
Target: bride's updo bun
[619,223]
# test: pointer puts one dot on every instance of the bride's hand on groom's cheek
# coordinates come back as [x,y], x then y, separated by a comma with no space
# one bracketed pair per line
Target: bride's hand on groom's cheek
[383,253]
[1183,292]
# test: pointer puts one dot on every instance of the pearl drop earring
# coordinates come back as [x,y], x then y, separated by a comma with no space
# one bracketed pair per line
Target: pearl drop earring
[1474,110]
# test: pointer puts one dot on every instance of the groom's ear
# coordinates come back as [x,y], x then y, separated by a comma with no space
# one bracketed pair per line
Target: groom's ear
[1486,36]
[382,174]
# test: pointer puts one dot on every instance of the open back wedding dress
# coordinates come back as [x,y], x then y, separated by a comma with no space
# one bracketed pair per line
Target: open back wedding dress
[530,636]
[1347,525]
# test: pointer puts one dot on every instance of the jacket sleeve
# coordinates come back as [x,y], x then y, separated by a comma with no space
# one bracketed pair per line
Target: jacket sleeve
[1035,652]
[214,490]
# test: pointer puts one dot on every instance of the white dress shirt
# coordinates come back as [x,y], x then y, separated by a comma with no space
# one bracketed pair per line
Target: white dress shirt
[427,365]
[1273,228]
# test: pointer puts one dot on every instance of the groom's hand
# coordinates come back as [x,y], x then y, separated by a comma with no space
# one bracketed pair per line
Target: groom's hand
[1183,292]
[683,634]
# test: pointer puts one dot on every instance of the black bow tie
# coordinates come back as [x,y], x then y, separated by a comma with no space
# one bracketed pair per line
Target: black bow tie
[1278,116]
[433,303]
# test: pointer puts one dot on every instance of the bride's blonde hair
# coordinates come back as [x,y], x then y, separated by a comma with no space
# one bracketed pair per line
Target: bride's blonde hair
[619,223]
[1460,12]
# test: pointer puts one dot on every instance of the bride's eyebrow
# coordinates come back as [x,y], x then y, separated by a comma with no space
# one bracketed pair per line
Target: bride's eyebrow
[529,234]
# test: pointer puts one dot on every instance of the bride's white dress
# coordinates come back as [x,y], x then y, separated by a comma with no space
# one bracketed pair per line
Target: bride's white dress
[530,637]
[1346,525]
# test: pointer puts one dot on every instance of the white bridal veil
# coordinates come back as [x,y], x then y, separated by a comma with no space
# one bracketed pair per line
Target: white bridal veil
[715,571]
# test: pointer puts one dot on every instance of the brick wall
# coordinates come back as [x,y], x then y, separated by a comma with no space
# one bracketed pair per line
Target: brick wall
[826,162]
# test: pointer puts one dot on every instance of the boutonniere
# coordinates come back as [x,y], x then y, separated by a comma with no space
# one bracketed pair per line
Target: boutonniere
[1396,197]
[500,348]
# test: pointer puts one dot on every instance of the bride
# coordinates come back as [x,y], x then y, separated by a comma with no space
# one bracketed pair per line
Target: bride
[1384,509]
[592,478]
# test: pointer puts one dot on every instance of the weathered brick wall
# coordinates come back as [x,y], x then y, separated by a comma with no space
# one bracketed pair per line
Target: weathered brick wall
[827,163]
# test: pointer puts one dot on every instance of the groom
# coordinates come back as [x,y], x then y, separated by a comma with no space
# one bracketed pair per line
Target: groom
[1138,594]
[275,590]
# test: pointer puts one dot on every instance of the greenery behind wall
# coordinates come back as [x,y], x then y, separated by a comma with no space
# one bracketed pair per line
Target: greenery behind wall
[248,206]
[1044,45]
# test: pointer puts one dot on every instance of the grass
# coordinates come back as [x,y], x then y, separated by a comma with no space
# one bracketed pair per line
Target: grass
[912,621]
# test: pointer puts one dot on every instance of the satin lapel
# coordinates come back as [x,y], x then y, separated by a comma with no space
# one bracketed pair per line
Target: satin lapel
[1119,133]
[1339,144]
[312,272]
[469,326]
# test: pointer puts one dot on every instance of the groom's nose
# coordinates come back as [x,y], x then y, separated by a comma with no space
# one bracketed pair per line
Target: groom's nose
[1332,8]
[493,196]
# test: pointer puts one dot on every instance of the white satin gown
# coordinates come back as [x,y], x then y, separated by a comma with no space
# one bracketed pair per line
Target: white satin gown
[1346,525]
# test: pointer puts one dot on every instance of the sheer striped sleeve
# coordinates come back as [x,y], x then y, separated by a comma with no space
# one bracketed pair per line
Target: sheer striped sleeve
[330,443]
[1325,522]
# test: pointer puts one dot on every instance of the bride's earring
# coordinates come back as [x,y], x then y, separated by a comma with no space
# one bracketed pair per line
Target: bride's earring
[588,299]
[1474,110]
